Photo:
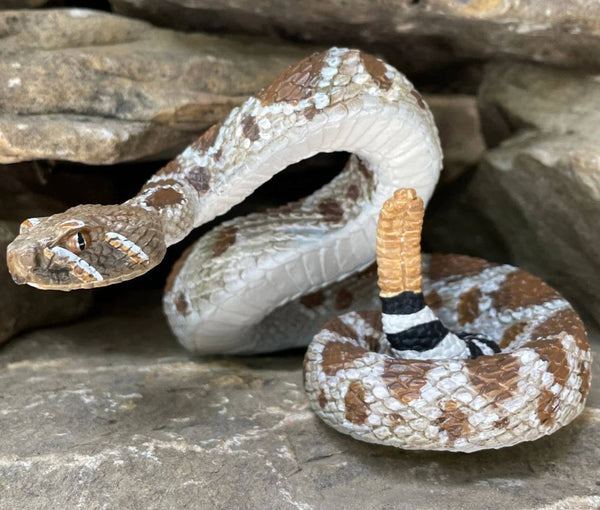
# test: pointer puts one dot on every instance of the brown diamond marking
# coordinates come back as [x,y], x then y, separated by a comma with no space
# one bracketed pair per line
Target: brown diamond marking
[331,210]
[208,138]
[225,239]
[250,128]
[511,334]
[357,410]
[313,300]
[343,299]
[405,378]
[310,112]
[365,170]
[376,68]
[495,378]
[199,178]
[521,289]
[164,197]
[353,192]
[322,399]
[455,267]
[453,421]
[433,300]
[295,83]
[547,407]
[181,304]
[565,320]
[468,306]
[373,319]
[553,352]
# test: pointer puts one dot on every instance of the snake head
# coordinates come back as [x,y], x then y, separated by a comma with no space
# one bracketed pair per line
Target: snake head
[86,246]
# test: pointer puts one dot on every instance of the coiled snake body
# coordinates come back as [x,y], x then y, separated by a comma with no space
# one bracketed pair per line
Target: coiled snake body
[258,283]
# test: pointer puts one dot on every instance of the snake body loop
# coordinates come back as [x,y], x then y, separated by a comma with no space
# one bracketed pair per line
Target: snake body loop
[246,268]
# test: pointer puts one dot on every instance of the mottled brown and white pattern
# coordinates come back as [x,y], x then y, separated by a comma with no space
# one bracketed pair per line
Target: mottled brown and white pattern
[536,385]
[260,283]
[463,354]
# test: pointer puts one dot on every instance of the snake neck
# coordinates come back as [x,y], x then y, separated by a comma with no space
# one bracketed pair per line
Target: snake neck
[337,100]
[174,204]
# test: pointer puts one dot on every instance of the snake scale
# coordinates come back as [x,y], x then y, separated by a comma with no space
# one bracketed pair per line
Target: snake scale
[518,366]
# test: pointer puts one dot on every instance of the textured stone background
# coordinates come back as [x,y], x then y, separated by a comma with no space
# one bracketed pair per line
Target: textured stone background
[112,413]
[109,412]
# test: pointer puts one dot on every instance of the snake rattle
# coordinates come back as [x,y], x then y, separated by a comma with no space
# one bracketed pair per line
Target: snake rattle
[235,289]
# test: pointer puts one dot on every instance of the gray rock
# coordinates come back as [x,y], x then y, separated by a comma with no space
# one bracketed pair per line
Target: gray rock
[416,34]
[543,194]
[541,187]
[87,86]
[517,97]
[535,199]
[112,413]
[457,120]
[21,4]
[97,88]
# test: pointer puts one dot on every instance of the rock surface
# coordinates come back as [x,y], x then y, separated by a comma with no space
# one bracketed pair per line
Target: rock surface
[420,34]
[87,86]
[97,88]
[457,120]
[541,187]
[22,191]
[516,97]
[112,413]
[21,4]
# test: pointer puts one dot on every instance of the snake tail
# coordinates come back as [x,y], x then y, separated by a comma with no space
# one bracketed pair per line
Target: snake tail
[410,326]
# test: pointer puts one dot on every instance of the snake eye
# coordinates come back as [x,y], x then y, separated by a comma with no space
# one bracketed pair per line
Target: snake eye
[78,242]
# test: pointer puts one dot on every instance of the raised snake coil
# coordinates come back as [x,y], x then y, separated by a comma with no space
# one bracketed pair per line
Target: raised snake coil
[364,381]
[258,283]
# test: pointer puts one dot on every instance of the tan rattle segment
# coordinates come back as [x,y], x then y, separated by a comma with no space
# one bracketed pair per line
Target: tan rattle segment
[399,243]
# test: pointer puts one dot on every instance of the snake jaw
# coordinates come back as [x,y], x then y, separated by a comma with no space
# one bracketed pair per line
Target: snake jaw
[111,247]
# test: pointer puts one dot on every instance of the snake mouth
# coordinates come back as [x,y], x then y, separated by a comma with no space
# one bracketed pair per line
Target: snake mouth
[49,269]
[44,278]
[57,278]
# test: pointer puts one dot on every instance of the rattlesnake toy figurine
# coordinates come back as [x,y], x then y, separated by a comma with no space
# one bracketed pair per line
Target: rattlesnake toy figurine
[518,366]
